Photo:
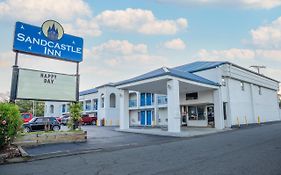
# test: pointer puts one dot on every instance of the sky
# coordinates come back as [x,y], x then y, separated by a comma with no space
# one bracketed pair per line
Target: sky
[123,39]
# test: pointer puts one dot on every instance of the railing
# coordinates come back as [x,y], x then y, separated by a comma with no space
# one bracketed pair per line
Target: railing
[162,100]
[132,103]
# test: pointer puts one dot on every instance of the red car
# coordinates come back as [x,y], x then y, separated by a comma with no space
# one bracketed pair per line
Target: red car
[86,119]
[26,117]
[59,119]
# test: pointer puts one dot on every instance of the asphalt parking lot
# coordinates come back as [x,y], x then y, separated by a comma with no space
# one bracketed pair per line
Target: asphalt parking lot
[100,138]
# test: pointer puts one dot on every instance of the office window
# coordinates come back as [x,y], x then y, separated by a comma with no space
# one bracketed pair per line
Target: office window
[52,109]
[260,90]
[63,108]
[192,96]
[242,84]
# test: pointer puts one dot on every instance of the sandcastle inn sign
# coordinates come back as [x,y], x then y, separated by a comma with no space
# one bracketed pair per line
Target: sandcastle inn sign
[48,41]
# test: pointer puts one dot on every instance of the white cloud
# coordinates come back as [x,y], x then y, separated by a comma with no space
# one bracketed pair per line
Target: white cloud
[116,60]
[242,54]
[268,36]
[38,11]
[177,44]
[82,27]
[123,47]
[257,4]
[229,54]
[141,21]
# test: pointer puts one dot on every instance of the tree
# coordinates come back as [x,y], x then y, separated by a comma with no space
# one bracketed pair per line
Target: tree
[10,123]
[75,115]
[27,106]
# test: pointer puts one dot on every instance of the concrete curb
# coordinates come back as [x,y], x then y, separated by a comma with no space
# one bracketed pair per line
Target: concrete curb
[176,135]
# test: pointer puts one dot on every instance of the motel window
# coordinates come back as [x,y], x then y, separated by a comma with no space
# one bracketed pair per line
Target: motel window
[192,96]
[51,109]
[102,100]
[95,104]
[112,100]
[260,93]
[88,105]
[242,84]
[63,108]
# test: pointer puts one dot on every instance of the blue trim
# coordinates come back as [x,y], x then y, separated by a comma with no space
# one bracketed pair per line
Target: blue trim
[89,91]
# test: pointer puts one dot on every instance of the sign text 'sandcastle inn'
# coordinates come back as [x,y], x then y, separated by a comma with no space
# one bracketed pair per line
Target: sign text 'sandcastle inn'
[48,41]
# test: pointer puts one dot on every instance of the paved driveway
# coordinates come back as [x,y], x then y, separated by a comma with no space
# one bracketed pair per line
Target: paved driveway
[100,138]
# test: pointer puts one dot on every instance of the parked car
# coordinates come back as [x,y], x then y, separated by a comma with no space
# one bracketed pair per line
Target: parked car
[86,119]
[62,117]
[64,120]
[39,123]
[26,117]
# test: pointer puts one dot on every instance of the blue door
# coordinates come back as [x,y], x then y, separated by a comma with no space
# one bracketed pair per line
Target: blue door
[142,117]
[148,99]
[142,99]
[148,117]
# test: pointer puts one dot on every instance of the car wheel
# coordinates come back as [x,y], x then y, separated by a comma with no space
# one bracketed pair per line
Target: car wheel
[94,122]
[26,129]
[56,128]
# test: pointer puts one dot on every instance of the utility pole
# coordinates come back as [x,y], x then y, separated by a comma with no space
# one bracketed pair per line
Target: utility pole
[258,68]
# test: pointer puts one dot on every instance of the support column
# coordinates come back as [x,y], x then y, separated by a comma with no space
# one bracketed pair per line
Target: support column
[254,117]
[156,115]
[124,109]
[218,109]
[173,106]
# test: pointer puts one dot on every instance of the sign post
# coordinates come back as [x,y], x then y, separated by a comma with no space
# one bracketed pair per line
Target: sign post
[48,41]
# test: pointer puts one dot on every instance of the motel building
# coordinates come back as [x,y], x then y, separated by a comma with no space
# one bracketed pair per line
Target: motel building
[199,94]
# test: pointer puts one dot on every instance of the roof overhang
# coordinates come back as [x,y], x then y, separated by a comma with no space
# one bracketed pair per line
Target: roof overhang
[158,85]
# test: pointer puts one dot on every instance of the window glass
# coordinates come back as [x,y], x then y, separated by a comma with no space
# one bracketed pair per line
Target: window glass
[88,105]
[102,100]
[192,96]
[260,90]
[52,109]
[39,120]
[242,84]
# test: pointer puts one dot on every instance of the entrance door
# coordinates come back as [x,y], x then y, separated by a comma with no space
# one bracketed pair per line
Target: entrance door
[210,115]
[148,118]
[142,117]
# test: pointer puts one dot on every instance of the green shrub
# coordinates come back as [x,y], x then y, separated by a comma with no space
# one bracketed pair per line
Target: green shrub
[75,115]
[10,123]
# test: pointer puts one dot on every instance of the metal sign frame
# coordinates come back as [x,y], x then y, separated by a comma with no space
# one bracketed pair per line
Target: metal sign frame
[15,76]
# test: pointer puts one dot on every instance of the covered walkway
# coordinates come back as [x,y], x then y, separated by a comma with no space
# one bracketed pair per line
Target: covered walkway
[174,84]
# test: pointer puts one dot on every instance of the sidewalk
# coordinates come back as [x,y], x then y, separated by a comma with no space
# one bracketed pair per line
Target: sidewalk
[185,132]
